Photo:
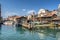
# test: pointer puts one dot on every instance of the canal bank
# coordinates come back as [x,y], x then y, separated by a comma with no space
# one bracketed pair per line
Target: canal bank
[38,25]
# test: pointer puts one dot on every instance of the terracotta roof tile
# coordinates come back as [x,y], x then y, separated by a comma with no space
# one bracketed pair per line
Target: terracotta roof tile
[49,14]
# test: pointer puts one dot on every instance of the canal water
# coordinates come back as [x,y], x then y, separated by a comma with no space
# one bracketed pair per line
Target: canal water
[19,33]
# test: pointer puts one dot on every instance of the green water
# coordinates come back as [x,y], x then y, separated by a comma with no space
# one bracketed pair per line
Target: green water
[18,33]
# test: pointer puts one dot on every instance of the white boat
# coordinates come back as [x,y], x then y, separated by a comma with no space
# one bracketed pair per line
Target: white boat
[8,23]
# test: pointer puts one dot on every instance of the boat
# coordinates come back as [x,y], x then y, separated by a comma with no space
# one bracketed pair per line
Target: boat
[8,23]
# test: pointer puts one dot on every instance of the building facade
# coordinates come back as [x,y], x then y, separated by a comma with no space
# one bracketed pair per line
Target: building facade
[0,10]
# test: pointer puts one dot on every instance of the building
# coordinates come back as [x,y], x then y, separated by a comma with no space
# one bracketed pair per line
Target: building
[58,11]
[0,15]
[46,16]
[31,16]
[22,20]
[13,18]
[56,20]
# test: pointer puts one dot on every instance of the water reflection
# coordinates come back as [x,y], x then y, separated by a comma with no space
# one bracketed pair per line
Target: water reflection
[20,33]
[42,34]
[20,30]
[45,35]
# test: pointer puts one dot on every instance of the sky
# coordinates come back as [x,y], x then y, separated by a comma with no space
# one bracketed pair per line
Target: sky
[23,7]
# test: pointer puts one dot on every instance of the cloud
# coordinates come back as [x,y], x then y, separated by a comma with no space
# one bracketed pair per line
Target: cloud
[59,6]
[23,9]
[31,11]
[41,11]
[21,13]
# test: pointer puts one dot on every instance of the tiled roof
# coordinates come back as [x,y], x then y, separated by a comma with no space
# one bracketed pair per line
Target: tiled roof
[48,14]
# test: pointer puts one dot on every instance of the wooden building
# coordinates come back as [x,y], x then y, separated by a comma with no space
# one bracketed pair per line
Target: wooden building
[47,17]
